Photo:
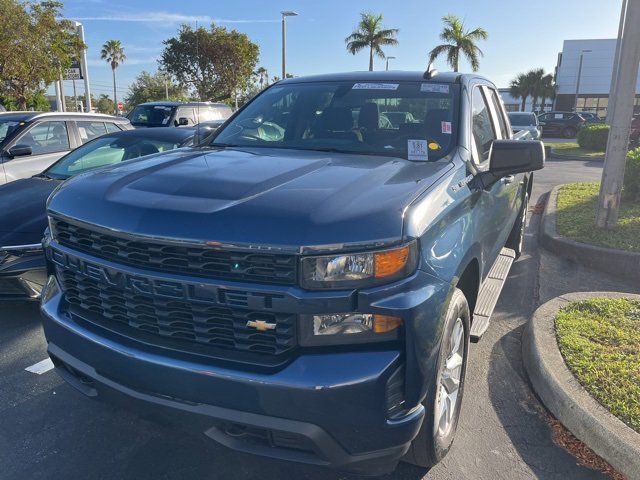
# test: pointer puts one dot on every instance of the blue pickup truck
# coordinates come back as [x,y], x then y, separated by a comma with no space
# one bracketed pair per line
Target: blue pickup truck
[306,285]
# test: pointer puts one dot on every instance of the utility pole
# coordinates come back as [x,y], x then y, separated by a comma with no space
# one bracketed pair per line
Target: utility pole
[75,96]
[63,100]
[389,58]
[622,99]
[575,102]
[166,87]
[285,14]
[616,59]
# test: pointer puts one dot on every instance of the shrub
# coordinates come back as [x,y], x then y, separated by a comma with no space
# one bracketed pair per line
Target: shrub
[594,137]
[632,175]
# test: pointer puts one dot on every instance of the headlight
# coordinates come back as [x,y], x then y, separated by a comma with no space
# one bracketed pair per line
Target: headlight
[359,270]
[347,328]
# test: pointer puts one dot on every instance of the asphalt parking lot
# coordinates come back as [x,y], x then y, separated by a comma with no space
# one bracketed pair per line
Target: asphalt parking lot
[48,430]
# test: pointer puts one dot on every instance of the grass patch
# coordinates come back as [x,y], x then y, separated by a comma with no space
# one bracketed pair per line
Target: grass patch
[600,342]
[576,214]
[573,149]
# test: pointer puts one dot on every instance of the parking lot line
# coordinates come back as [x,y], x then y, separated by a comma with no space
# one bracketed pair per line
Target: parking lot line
[41,367]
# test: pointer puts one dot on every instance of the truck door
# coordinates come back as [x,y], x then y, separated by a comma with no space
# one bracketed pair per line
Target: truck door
[494,206]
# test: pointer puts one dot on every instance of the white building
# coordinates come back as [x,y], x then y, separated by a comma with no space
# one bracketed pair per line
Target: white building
[595,76]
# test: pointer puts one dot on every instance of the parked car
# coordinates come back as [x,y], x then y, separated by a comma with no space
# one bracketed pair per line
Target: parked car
[525,121]
[564,124]
[22,203]
[32,141]
[302,287]
[634,137]
[177,114]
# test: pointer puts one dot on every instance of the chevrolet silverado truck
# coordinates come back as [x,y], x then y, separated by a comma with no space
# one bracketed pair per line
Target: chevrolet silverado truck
[306,285]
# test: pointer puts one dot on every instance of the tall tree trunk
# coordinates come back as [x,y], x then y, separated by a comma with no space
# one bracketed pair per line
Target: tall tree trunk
[524,103]
[371,59]
[456,60]
[115,96]
[533,103]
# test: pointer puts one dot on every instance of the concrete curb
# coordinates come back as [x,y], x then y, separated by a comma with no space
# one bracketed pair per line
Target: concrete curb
[560,156]
[614,262]
[567,400]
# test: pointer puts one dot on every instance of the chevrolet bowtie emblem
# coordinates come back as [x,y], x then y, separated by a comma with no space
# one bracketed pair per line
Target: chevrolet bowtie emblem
[261,325]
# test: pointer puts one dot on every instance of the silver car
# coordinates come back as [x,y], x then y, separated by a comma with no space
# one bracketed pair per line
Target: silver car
[525,121]
[30,142]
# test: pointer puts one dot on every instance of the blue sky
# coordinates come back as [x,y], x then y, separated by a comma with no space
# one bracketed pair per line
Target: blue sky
[521,35]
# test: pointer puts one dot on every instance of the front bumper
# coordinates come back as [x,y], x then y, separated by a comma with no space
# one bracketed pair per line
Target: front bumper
[326,407]
[22,277]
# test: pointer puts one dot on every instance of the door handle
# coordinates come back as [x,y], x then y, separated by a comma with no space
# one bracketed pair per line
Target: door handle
[508,179]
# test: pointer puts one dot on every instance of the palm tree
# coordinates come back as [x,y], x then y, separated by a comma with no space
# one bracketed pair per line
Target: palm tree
[547,89]
[113,53]
[370,34]
[458,40]
[522,87]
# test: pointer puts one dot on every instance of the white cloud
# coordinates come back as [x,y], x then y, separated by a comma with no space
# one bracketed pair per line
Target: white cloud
[167,17]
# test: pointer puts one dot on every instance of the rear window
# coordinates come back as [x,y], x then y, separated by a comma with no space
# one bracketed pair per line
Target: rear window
[412,120]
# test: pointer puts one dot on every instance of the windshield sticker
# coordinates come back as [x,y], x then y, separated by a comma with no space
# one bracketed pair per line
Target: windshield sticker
[417,150]
[165,120]
[375,86]
[446,127]
[434,146]
[434,87]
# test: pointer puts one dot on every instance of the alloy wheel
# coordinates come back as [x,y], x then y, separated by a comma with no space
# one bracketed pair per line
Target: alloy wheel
[450,381]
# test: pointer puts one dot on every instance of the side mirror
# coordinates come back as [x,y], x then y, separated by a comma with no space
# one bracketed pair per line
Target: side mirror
[20,151]
[508,157]
[182,121]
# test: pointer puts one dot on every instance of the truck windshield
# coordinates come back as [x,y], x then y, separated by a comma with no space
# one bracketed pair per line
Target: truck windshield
[413,120]
[151,115]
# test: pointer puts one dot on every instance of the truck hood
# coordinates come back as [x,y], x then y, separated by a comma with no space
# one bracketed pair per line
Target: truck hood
[254,196]
[23,210]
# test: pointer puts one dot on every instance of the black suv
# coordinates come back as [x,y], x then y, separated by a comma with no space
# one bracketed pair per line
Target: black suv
[564,124]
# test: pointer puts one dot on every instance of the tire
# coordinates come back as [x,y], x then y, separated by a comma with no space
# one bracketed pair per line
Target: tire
[569,132]
[434,439]
[516,238]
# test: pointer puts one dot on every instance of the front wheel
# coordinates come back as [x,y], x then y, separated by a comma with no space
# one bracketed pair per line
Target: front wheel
[443,400]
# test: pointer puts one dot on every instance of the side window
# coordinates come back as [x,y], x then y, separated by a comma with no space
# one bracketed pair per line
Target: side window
[112,127]
[187,113]
[482,129]
[90,130]
[46,137]
[497,106]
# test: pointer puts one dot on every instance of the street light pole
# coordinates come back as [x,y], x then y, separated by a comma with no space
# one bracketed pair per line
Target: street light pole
[616,59]
[575,103]
[389,58]
[84,69]
[621,99]
[285,14]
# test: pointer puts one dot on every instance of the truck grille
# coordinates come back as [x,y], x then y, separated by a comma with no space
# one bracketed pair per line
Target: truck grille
[175,322]
[165,257]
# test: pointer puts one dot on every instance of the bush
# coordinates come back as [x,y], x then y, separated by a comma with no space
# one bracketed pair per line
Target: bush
[594,136]
[632,175]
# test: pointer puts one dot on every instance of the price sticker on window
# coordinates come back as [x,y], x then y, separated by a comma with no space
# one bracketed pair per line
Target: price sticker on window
[417,150]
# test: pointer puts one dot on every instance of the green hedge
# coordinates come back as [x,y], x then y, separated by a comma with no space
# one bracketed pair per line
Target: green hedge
[594,136]
[632,175]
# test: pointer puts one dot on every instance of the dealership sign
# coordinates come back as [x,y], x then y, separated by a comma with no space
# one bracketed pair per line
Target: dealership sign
[74,72]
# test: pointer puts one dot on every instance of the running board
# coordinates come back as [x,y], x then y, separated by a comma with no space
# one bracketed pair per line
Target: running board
[490,292]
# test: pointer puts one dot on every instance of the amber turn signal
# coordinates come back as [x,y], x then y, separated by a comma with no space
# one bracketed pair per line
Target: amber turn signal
[385,323]
[390,262]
